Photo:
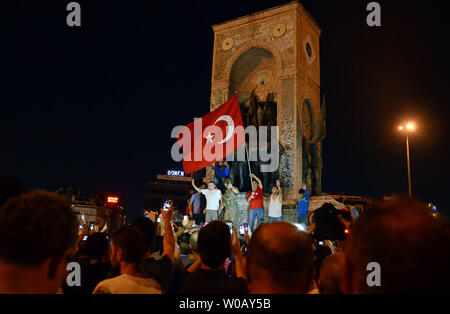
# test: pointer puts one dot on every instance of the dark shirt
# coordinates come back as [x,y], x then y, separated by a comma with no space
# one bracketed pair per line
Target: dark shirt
[161,270]
[91,275]
[205,281]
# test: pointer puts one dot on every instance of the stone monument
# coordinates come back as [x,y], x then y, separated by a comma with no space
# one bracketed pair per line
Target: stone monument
[274,54]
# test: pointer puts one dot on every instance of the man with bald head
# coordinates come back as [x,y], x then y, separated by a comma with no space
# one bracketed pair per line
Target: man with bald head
[331,279]
[279,260]
[411,247]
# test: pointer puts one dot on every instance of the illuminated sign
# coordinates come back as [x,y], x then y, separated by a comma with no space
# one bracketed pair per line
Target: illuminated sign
[113,199]
[175,173]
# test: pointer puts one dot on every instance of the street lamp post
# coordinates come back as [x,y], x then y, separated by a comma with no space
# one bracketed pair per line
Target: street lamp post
[408,128]
[409,167]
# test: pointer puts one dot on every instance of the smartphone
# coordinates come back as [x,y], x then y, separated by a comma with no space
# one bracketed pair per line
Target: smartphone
[80,227]
[241,229]
[166,205]
[85,238]
[185,217]
[246,227]
[230,225]
[320,242]
[91,227]
[158,220]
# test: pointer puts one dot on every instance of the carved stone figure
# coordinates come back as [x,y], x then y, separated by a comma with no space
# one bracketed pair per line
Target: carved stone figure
[312,148]
[256,113]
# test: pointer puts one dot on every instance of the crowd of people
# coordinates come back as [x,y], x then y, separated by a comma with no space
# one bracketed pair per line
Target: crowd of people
[41,237]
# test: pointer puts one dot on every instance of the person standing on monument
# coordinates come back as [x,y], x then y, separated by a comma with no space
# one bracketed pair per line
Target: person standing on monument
[195,206]
[255,200]
[222,171]
[230,202]
[214,201]
[275,203]
[303,205]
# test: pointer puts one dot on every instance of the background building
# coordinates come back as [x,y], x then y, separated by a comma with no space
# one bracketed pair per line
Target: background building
[173,187]
[96,210]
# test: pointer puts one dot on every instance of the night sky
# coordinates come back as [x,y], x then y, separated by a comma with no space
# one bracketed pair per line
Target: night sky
[93,107]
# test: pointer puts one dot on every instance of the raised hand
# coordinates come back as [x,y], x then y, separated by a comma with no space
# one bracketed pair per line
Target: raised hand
[235,244]
[167,214]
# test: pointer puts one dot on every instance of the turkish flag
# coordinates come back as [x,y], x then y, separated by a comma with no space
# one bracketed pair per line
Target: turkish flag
[212,137]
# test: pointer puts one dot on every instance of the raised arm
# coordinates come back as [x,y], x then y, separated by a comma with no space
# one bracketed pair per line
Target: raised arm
[236,251]
[194,186]
[169,238]
[233,188]
[280,195]
[257,180]
[306,191]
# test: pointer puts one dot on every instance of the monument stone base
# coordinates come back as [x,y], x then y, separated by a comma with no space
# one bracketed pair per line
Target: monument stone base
[289,212]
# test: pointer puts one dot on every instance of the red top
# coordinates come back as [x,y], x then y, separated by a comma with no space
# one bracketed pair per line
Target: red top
[257,201]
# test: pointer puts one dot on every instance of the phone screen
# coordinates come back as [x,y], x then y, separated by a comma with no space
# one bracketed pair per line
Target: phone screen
[166,205]
[241,229]
[85,238]
[230,224]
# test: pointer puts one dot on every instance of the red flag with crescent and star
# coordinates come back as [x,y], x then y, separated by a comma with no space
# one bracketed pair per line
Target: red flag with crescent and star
[212,137]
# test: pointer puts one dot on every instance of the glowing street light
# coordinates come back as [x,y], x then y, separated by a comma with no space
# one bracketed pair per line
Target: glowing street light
[409,127]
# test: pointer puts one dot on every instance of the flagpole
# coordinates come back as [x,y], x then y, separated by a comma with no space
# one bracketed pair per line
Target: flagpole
[246,149]
[248,162]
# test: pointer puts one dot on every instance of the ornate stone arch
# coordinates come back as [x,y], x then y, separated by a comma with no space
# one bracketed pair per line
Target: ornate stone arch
[253,44]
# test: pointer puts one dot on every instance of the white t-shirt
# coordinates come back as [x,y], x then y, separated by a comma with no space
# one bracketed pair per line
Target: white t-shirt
[127,284]
[212,198]
[275,207]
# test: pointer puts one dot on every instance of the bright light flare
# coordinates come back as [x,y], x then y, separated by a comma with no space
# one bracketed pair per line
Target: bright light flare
[409,127]
[113,199]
